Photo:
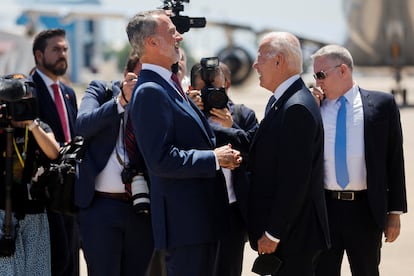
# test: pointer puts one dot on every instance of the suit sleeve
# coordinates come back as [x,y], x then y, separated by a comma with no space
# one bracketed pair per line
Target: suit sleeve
[396,177]
[96,112]
[168,138]
[295,158]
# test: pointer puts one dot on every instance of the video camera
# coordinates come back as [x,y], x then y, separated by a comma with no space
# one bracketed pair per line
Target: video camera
[212,97]
[16,102]
[183,23]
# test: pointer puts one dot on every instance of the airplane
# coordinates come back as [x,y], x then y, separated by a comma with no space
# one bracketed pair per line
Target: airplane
[381,33]
[377,32]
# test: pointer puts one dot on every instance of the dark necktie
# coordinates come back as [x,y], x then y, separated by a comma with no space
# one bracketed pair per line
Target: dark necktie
[130,147]
[61,111]
[178,85]
[341,169]
[270,103]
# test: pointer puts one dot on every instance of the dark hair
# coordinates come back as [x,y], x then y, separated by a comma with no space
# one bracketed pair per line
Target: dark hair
[132,61]
[194,73]
[40,41]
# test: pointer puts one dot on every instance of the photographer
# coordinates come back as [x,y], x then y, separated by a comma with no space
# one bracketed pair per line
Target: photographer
[235,124]
[33,145]
[115,228]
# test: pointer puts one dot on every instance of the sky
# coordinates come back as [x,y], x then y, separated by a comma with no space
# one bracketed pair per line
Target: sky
[317,19]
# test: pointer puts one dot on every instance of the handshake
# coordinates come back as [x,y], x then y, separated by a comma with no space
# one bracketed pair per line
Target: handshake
[227,157]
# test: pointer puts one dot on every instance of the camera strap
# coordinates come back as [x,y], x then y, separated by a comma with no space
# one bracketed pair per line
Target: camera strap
[22,156]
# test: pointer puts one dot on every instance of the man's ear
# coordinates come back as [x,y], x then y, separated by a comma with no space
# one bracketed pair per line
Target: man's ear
[152,41]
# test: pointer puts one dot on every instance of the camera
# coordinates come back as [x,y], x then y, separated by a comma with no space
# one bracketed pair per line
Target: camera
[183,23]
[140,194]
[16,102]
[139,189]
[212,97]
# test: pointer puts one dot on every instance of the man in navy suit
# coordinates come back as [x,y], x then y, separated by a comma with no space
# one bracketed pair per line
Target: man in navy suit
[373,196]
[235,124]
[116,236]
[50,52]
[188,197]
[287,211]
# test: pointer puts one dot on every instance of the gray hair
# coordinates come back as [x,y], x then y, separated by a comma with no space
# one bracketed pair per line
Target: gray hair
[288,45]
[335,53]
[141,26]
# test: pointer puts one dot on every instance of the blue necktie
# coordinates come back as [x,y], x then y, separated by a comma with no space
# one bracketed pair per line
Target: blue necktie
[341,168]
[271,101]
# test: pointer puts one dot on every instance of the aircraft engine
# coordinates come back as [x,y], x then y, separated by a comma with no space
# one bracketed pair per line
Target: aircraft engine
[239,62]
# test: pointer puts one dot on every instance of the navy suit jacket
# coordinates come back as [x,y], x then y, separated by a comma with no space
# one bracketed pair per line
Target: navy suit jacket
[287,197]
[188,194]
[383,155]
[47,108]
[98,122]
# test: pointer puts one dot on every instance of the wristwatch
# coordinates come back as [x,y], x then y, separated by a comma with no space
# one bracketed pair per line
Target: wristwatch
[35,123]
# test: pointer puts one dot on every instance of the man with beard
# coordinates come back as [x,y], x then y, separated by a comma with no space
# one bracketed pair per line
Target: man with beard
[59,111]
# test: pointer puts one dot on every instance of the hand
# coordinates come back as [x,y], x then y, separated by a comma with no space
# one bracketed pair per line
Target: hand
[317,94]
[227,157]
[128,85]
[392,227]
[222,116]
[266,245]
[195,96]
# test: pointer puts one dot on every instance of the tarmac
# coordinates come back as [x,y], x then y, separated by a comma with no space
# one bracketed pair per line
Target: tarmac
[397,257]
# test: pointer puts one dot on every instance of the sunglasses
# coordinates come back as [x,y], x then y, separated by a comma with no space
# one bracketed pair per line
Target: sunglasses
[321,75]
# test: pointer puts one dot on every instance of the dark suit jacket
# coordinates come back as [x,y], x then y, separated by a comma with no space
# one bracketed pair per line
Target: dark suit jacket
[286,162]
[187,192]
[383,155]
[98,122]
[47,108]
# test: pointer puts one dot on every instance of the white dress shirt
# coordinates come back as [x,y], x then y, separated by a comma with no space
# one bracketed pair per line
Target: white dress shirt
[355,149]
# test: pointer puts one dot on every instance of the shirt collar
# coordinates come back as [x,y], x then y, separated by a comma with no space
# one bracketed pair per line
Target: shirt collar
[164,73]
[284,86]
[48,81]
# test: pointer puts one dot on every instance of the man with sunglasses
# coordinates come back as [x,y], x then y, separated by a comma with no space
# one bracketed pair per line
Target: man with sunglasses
[364,165]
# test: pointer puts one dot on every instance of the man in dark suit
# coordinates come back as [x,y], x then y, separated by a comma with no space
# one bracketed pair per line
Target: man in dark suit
[187,193]
[367,195]
[57,108]
[287,212]
[235,124]
[116,234]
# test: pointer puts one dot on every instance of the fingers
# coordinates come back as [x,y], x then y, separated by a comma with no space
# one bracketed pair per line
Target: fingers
[228,158]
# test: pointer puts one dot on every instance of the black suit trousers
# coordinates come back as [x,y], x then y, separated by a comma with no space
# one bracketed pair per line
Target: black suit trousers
[231,247]
[354,231]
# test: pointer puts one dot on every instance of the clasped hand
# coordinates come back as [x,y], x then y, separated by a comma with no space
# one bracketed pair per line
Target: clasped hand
[227,157]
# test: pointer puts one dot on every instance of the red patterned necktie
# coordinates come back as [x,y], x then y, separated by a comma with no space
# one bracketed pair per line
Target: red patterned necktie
[178,85]
[61,111]
[130,147]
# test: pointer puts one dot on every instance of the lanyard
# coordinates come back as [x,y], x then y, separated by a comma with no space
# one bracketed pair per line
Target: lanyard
[22,156]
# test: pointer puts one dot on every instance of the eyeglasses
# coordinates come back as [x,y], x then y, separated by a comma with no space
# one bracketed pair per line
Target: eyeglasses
[321,75]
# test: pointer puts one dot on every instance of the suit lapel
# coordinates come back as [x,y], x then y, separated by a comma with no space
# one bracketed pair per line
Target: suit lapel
[368,107]
[188,107]
[297,85]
